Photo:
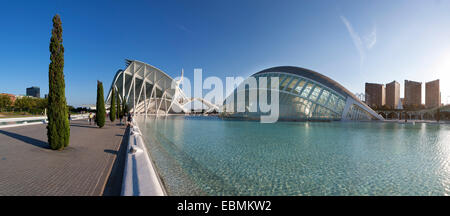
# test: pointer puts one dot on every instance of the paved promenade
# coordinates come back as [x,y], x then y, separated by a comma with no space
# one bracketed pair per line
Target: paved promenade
[29,167]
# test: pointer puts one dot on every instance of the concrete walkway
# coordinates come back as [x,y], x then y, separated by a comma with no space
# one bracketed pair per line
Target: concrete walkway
[29,167]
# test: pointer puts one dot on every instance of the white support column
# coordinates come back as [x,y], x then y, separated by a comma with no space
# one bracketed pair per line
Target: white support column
[134,93]
[174,98]
[162,99]
[151,95]
[150,98]
[140,93]
[154,95]
[123,86]
[148,101]
[348,104]
[156,102]
[145,91]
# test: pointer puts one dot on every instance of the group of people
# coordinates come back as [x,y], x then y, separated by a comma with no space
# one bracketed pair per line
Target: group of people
[92,117]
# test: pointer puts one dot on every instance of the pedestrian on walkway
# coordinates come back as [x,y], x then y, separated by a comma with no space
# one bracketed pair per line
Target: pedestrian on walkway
[130,119]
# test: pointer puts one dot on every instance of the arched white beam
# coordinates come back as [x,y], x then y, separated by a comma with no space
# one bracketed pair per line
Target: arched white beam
[147,89]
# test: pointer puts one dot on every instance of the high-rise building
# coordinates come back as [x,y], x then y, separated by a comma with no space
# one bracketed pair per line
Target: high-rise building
[413,93]
[375,94]
[34,92]
[432,94]
[393,95]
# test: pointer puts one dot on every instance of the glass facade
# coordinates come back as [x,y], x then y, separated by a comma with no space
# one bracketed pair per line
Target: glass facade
[300,98]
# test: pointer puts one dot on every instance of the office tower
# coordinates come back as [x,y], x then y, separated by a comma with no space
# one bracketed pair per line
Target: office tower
[34,92]
[413,93]
[375,94]
[432,94]
[393,94]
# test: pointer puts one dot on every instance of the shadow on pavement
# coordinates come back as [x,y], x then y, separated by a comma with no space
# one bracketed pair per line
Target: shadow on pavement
[84,126]
[29,140]
[113,186]
[111,151]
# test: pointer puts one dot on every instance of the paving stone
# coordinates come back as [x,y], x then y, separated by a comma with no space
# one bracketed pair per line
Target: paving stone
[29,167]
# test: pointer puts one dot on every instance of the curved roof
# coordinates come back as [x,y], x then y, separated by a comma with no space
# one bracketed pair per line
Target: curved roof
[324,80]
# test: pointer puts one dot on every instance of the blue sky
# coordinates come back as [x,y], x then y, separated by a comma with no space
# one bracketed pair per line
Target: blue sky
[352,42]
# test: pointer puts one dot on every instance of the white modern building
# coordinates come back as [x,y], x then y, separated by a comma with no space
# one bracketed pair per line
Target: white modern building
[305,95]
[148,90]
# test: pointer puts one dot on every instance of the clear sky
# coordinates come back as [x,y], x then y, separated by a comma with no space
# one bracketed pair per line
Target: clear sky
[352,42]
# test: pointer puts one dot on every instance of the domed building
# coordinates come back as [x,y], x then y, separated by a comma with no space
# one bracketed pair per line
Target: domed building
[304,95]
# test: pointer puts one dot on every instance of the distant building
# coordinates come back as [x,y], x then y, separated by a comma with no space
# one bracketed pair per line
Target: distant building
[11,97]
[393,95]
[432,94]
[34,92]
[89,106]
[375,94]
[413,93]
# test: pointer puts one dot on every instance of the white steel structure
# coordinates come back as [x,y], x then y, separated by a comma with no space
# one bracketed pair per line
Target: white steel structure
[148,90]
[307,95]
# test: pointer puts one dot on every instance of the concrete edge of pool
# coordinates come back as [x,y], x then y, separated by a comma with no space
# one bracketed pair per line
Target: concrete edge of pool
[140,177]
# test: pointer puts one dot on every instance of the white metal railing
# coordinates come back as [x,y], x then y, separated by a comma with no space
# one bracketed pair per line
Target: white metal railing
[22,119]
[140,177]
[16,122]
[79,116]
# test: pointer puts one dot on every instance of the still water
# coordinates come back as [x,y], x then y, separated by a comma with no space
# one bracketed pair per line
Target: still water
[210,156]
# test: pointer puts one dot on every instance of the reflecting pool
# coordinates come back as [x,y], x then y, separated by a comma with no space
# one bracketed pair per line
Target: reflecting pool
[210,156]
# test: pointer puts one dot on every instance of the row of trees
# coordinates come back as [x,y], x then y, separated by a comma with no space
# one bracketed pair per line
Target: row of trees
[31,105]
[5,102]
[23,104]
[405,107]
[117,109]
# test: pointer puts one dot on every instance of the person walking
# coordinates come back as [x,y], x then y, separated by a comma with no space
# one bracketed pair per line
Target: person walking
[130,119]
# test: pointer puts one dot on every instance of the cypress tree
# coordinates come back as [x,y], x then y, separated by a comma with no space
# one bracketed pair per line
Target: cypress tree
[124,107]
[112,113]
[118,104]
[101,111]
[58,129]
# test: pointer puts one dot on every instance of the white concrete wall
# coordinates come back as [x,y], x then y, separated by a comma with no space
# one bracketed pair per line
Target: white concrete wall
[140,177]
[17,122]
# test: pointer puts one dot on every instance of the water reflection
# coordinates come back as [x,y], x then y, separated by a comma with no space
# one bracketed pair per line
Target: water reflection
[198,155]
